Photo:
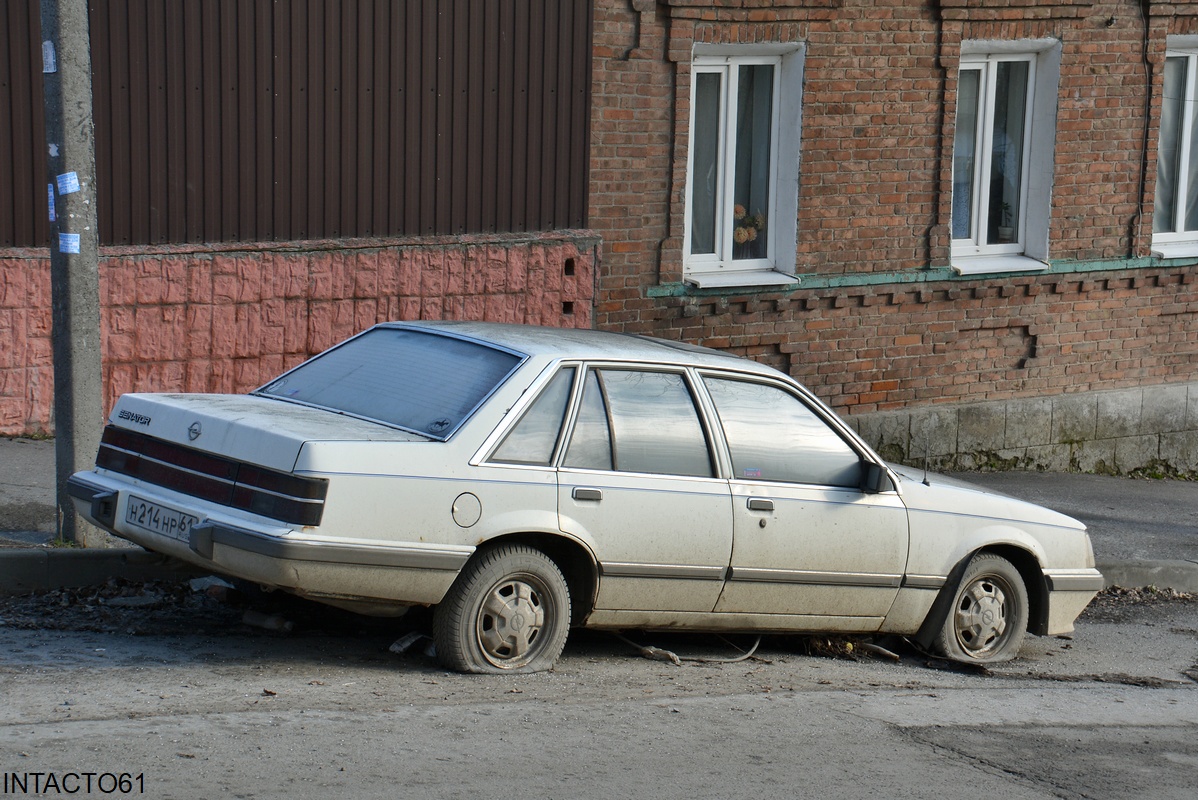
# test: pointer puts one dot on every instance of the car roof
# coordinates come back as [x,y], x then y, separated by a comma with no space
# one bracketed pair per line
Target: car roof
[578,343]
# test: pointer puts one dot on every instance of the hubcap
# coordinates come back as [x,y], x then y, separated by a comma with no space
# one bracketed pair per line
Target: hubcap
[510,622]
[981,616]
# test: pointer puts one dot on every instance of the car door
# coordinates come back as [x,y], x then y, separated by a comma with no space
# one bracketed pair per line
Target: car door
[638,481]
[808,540]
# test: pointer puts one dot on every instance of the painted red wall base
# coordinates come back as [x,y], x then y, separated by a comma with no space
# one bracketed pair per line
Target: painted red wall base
[226,319]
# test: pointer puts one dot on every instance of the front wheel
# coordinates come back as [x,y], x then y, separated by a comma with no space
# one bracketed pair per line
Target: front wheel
[509,611]
[988,618]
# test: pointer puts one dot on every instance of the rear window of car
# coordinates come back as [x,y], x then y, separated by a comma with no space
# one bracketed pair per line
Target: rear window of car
[427,383]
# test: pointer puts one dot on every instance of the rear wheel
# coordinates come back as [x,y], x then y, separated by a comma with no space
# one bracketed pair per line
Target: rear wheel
[988,618]
[509,611]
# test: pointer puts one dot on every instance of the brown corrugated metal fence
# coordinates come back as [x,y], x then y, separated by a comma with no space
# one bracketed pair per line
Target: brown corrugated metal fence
[23,193]
[252,120]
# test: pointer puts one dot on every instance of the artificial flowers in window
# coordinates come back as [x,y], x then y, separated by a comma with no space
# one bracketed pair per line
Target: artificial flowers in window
[747,227]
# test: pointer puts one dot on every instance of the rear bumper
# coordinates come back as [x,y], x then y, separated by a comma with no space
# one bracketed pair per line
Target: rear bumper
[320,567]
[97,503]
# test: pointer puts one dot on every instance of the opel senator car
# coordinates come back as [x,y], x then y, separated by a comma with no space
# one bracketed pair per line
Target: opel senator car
[523,481]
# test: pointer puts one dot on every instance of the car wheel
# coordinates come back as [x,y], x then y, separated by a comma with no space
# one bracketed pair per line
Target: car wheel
[988,618]
[509,611]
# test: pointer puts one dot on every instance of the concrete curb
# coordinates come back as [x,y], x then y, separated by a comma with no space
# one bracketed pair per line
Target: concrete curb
[1181,576]
[26,570]
[38,569]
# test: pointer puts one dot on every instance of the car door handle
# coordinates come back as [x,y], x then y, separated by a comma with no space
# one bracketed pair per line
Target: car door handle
[760,504]
[580,493]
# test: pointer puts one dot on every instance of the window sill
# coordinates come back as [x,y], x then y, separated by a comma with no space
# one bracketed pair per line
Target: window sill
[740,278]
[988,265]
[1175,249]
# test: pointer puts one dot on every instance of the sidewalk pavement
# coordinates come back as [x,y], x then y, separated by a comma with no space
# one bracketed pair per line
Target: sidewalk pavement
[1145,532]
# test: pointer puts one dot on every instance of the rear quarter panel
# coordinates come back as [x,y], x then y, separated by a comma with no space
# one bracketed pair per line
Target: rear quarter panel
[406,492]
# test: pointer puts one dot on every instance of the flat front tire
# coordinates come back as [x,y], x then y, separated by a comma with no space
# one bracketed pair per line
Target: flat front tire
[988,618]
[509,611]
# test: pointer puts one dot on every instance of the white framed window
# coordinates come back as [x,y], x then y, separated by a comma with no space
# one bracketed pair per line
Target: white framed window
[1003,155]
[1175,220]
[742,171]
[990,167]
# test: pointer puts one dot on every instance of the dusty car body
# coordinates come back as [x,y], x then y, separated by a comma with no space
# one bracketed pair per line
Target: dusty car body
[526,480]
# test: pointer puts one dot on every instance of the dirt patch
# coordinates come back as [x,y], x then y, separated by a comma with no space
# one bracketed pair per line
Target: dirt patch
[204,606]
[1120,604]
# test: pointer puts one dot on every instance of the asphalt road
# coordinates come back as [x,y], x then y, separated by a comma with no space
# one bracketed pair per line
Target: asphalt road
[178,694]
[167,694]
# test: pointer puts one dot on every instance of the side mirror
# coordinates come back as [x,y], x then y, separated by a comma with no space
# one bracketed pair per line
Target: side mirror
[875,479]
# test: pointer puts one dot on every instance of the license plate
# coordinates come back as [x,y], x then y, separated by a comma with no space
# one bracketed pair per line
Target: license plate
[159,519]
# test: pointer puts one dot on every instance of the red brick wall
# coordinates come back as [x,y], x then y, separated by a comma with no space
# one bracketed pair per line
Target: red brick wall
[227,321]
[879,106]
[875,348]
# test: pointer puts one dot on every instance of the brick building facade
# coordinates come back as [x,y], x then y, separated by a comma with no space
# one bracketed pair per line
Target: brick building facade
[1056,346]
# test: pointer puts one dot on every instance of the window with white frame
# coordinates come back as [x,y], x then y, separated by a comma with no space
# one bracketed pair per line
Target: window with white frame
[989,165]
[1175,220]
[742,173]
[1003,155]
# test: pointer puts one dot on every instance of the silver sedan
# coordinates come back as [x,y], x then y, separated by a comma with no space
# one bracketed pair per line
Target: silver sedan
[524,481]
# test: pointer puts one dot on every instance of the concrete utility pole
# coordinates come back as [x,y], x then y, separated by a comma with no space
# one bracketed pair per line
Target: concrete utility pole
[74,252]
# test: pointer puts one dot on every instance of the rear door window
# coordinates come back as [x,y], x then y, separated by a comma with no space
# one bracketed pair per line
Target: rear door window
[590,446]
[639,421]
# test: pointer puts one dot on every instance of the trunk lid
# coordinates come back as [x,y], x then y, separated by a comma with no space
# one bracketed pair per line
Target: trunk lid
[258,430]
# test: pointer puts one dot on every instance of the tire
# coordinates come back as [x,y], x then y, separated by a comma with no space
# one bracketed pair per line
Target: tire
[987,620]
[509,611]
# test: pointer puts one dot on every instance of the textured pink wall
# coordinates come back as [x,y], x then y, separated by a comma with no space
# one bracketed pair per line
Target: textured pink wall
[226,320]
